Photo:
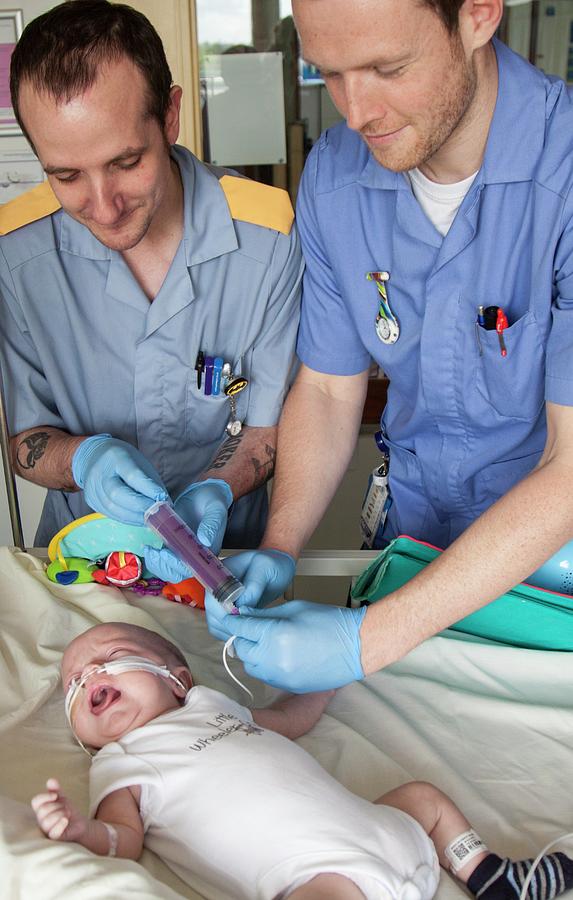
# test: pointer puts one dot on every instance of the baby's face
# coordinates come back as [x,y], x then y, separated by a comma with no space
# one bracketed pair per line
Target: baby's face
[109,706]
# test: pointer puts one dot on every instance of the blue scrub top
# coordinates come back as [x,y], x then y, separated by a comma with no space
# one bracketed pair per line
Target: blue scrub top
[84,350]
[463,423]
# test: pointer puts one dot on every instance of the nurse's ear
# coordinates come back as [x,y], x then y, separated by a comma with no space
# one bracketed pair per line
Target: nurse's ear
[478,21]
[173,116]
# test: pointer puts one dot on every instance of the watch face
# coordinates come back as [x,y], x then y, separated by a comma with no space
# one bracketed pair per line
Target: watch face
[387,330]
[234,428]
[382,329]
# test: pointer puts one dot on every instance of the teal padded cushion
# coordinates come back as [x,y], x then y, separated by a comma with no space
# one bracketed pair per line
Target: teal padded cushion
[97,538]
[525,616]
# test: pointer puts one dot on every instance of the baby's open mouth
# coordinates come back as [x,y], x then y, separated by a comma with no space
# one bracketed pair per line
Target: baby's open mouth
[102,696]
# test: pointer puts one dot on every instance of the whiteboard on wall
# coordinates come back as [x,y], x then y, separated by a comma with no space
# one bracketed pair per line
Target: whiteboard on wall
[244,99]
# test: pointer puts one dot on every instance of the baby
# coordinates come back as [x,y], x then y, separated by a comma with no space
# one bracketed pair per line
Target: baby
[234,806]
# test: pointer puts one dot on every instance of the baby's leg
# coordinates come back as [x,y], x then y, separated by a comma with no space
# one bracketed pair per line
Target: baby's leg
[487,875]
[328,886]
[439,817]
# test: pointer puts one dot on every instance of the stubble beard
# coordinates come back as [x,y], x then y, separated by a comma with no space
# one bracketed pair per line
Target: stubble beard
[123,241]
[452,109]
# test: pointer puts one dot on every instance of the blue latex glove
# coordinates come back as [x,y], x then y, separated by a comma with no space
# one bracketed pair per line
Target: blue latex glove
[297,647]
[204,506]
[117,480]
[266,574]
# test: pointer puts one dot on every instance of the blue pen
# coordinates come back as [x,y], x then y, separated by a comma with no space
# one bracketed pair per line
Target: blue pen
[481,317]
[217,369]
[208,375]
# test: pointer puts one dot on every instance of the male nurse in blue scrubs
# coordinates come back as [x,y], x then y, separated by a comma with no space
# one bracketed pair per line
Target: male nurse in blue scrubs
[452,175]
[122,276]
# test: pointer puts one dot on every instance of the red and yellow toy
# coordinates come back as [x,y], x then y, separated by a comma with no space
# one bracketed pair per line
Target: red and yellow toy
[122,569]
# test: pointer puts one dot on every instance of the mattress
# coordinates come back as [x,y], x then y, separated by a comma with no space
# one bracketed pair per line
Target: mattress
[492,725]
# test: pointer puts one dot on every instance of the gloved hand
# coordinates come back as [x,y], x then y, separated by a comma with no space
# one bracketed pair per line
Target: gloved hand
[204,507]
[117,480]
[297,647]
[266,574]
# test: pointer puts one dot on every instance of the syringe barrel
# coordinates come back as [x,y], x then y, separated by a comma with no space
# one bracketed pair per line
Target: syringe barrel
[182,540]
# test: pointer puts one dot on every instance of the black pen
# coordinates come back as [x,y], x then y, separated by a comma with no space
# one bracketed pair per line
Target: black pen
[490,317]
[199,366]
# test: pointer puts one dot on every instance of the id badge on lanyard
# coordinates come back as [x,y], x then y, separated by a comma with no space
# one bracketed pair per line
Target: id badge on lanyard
[376,503]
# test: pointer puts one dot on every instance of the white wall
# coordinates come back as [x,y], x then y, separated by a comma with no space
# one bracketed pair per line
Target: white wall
[31,498]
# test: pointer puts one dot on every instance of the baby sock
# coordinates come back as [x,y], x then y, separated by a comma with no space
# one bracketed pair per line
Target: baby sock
[501,879]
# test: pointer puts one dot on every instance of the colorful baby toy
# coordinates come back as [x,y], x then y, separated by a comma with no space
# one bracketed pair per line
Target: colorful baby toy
[96,548]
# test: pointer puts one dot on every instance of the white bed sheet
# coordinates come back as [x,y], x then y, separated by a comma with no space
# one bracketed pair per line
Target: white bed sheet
[490,725]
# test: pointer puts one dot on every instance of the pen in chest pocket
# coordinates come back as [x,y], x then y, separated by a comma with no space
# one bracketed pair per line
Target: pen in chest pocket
[217,378]
[492,318]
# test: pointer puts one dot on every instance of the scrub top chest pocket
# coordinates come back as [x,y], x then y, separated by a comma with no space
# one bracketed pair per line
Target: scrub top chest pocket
[507,382]
[213,414]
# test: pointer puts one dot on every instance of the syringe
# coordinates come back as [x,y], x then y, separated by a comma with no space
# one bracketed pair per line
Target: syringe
[207,568]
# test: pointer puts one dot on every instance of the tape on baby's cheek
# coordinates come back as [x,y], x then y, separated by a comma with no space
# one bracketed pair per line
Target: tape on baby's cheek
[463,849]
[116,667]
[72,694]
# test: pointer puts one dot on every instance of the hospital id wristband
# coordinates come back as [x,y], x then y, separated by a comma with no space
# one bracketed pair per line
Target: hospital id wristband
[463,849]
[113,838]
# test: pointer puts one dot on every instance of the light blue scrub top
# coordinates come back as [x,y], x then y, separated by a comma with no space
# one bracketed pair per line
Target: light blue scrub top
[463,423]
[85,351]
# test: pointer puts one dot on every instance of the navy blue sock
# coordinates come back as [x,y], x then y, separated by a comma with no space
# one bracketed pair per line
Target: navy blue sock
[500,879]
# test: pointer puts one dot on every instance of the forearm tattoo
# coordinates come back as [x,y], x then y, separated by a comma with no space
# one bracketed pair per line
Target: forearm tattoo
[264,468]
[31,449]
[225,453]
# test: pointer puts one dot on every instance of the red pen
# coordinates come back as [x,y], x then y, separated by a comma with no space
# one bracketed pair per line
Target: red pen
[500,326]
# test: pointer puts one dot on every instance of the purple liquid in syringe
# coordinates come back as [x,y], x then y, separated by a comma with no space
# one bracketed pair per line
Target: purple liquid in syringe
[207,568]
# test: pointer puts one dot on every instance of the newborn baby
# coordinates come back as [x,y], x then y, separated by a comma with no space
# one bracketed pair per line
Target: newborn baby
[234,806]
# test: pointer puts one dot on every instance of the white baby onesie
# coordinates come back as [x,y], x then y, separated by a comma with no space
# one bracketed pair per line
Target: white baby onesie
[240,812]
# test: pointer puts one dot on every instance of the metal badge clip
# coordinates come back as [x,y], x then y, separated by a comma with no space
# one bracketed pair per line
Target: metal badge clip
[234,387]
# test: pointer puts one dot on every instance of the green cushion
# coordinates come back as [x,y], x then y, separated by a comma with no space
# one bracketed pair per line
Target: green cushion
[525,616]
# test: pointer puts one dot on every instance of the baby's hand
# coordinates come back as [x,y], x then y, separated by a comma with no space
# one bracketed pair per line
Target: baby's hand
[56,817]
